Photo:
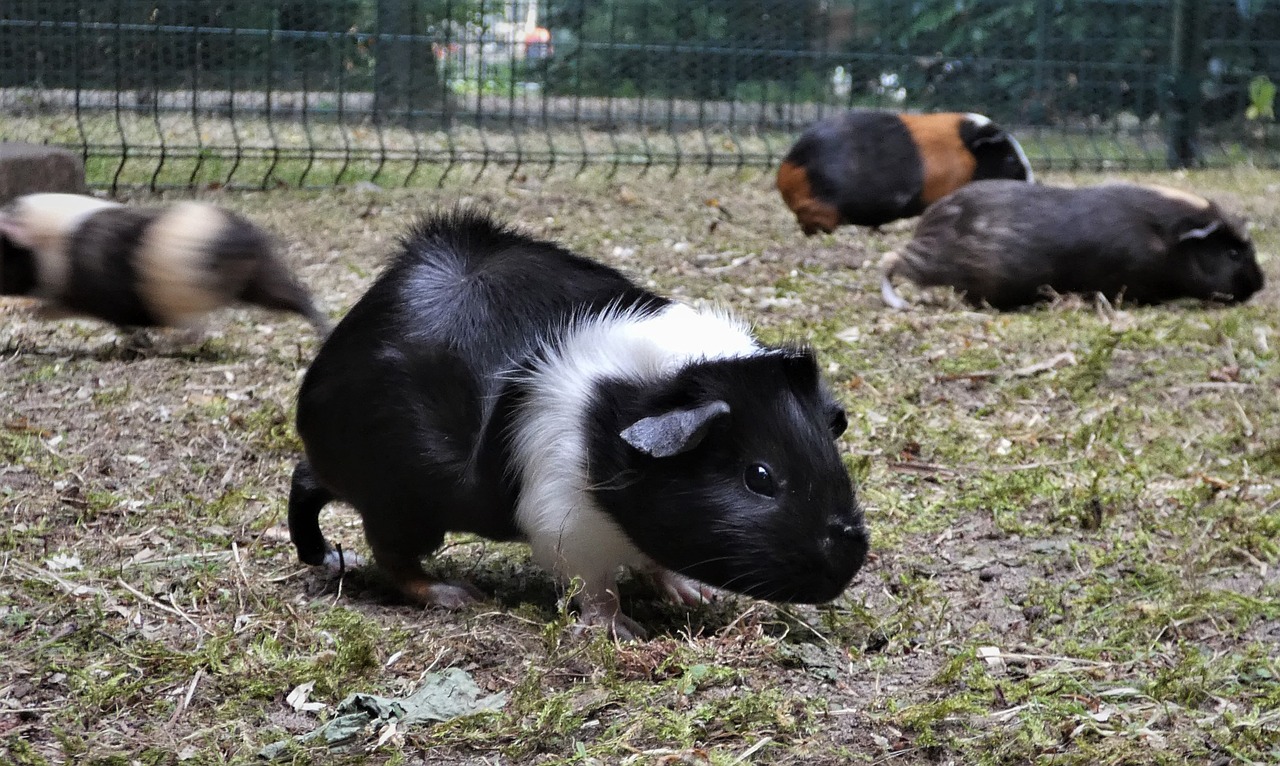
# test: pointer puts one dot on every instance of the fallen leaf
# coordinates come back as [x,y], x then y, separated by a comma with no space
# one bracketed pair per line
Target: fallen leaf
[62,562]
[1065,359]
[992,655]
[443,696]
[849,335]
[297,699]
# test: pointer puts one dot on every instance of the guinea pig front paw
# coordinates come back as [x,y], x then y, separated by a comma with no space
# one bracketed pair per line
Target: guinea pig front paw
[684,590]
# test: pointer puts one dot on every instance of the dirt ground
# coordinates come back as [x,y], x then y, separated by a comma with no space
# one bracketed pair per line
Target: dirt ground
[1075,514]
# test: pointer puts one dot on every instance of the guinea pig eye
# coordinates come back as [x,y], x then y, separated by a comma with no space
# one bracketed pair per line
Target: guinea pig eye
[759,480]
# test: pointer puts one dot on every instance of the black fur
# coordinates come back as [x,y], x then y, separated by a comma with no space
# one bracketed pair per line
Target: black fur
[990,146]
[404,410]
[244,264]
[693,513]
[1008,245]
[102,280]
[17,269]
[407,413]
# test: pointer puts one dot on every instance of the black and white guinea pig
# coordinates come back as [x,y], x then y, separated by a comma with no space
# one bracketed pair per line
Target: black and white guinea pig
[493,383]
[867,168]
[1008,244]
[141,267]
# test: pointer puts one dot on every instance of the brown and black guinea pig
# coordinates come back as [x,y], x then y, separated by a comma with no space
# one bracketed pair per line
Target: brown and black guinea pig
[1006,244]
[867,168]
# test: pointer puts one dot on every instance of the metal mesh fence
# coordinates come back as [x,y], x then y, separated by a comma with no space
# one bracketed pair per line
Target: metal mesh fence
[259,93]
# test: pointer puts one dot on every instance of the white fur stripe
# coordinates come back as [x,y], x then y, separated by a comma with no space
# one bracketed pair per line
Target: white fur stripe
[1022,157]
[569,534]
[44,223]
[1178,195]
[174,263]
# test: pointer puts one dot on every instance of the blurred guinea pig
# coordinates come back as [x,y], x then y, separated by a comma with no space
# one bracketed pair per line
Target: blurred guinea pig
[141,267]
[493,383]
[1007,245]
[867,168]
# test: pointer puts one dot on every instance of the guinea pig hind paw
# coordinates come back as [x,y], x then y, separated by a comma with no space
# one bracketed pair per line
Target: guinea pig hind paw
[890,296]
[338,561]
[620,626]
[444,595]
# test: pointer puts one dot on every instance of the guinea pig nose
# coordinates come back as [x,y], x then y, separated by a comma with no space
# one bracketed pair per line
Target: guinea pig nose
[839,528]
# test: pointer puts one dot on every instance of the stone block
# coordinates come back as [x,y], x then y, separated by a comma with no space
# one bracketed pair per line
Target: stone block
[30,168]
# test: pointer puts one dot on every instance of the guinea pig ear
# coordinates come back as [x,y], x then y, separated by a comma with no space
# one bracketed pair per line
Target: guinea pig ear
[998,137]
[674,432]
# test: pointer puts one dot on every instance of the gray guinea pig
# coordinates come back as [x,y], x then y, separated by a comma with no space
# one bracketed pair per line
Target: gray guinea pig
[1010,244]
[141,267]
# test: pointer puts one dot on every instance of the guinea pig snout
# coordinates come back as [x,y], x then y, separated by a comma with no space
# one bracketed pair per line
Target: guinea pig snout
[842,530]
[844,546]
[1248,281]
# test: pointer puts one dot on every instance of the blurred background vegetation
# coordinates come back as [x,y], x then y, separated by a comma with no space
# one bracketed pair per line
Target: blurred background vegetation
[1101,68]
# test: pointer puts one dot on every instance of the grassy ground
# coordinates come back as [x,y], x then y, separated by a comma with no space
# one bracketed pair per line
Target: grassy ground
[1074,563]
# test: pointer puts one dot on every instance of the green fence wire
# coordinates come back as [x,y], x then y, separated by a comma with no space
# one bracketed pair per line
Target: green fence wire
[260,93]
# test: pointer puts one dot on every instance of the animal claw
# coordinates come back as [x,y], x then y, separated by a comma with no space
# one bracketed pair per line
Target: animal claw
[602,610]
[684,590]
[620,626]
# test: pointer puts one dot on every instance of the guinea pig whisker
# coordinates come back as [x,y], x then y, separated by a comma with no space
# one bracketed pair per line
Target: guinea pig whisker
[741,583]
[620,480]
[712,560]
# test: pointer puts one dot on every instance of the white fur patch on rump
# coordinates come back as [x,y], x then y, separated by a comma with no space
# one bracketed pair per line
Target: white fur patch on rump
[173,263]
[43,223]
[569,534]
[1178,195]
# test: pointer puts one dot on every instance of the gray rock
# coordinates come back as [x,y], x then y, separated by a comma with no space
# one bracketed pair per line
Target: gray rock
[30,168]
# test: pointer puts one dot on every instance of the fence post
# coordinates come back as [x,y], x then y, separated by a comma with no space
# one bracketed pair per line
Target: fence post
[405,75]
[1182,94]
[391,60]
[1042,46]
[1037,110]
